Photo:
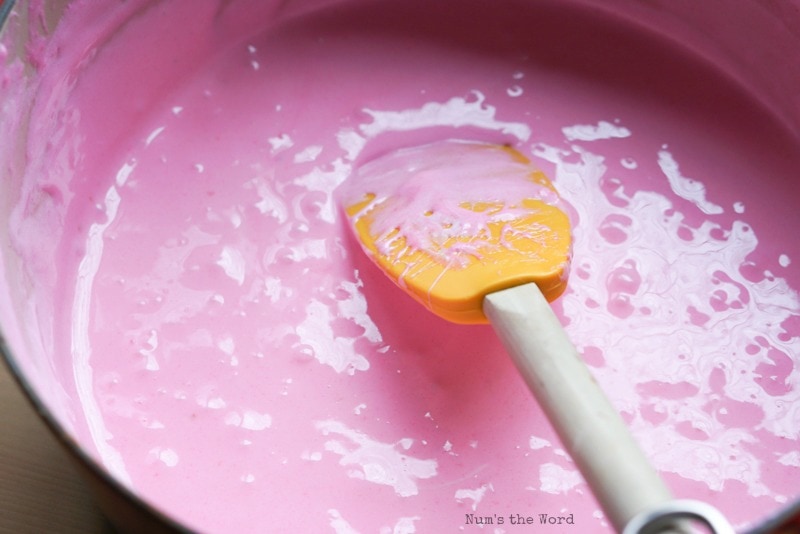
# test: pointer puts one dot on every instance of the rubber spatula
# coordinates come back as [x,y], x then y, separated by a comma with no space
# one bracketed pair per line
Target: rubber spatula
[475,234]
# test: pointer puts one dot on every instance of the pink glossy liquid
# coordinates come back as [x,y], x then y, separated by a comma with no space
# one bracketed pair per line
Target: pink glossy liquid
[244,367]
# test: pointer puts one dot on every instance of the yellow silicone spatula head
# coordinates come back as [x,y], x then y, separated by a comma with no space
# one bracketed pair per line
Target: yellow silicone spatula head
[475,234]
[453,221]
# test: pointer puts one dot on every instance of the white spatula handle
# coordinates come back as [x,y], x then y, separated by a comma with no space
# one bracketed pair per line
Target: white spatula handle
[591,430]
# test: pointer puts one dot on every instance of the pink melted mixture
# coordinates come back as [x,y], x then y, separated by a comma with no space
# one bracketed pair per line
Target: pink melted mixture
[243,366]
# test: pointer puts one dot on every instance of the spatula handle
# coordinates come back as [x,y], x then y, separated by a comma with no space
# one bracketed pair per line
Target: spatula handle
[591,430]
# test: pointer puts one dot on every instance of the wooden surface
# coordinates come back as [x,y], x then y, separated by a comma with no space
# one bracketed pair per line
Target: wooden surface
[40,490]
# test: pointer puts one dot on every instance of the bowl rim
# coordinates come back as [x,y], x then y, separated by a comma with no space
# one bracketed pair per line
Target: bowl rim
[90,466]
[771,522]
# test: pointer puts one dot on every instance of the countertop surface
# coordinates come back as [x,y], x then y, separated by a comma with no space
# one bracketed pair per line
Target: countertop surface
[40,490]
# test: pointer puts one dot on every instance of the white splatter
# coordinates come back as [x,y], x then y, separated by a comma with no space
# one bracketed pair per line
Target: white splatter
[337,352]
[790,459]
[377,462]
[326,181]
[280,142]
[588,132]
[404,525]
[233,263]
[538,443]
[686,188]
[514,91]
[249,420]
[308,154]
[252,420]
[153,135]
[315,456]
[456,112]
[166,456]
[475,495]
[227,345]
[269,202]
[557,480]
[151,363]
[339,524]
[647,288]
